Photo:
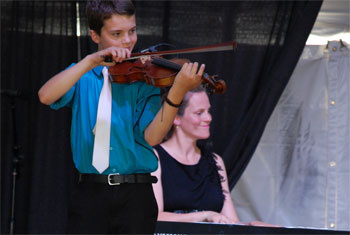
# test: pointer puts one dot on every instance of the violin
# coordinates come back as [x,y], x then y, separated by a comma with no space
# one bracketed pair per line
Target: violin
[161,72]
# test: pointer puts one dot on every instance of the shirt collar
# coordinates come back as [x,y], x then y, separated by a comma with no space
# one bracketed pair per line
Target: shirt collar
[98,71]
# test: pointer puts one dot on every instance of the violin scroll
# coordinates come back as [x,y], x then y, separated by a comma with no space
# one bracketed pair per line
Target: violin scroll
[217,86]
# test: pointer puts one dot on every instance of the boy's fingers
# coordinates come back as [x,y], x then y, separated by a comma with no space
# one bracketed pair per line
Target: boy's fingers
[123,54]
[194,68]
[185,66]
[201,70]
[128,53]
[115,54]
[118,55]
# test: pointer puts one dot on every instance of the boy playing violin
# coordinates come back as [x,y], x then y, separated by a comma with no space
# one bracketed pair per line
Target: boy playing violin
[117,198]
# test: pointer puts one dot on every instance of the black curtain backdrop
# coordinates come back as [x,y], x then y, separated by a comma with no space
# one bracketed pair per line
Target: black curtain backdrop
[38,39]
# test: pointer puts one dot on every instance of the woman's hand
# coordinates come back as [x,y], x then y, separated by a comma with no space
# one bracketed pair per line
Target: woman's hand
[262,224]
[215,217]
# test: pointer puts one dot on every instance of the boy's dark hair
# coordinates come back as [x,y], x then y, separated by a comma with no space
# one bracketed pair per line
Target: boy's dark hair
[97,11]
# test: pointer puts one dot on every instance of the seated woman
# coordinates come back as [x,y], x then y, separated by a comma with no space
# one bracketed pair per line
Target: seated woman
[192,182]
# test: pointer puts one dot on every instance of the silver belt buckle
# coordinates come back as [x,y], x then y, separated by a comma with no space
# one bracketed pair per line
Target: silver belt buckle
[109,179]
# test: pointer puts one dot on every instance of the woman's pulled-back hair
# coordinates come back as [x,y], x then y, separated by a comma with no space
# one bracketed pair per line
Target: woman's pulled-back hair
[98,11]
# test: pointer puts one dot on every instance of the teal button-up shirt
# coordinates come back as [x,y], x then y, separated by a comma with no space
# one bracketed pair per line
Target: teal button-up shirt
[133,108]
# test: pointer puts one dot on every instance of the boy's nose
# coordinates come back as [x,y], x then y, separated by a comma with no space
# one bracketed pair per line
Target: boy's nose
[126,39]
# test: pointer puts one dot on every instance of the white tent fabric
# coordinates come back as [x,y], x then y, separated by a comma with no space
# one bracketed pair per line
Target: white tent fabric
[332,23]
[299,174]
[333,18]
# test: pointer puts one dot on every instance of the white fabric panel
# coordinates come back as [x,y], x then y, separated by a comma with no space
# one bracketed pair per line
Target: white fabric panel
[299,174]
[333,18]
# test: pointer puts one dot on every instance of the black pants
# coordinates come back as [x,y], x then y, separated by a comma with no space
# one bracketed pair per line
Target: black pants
[103,209]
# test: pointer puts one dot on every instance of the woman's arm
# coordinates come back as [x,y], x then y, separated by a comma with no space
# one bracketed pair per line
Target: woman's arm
[189,77]
[228,209]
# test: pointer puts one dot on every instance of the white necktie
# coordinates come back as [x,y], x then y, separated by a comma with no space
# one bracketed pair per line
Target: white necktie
[100,157]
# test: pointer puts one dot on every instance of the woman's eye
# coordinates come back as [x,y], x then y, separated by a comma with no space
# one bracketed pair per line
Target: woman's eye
[116,34]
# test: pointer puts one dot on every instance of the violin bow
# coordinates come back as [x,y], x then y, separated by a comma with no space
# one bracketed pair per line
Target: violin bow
[226,46]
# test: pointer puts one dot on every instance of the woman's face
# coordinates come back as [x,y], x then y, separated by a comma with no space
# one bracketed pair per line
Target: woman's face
[196,120]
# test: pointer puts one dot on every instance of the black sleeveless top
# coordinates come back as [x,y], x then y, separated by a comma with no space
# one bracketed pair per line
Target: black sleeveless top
[188,188]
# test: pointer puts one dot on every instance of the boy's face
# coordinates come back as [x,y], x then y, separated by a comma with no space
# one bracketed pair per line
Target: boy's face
[118,31]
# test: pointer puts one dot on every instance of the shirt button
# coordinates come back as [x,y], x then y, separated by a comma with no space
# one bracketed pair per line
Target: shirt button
[110,148]
[332,225]
[332,163]
[113,170]
[334,48]
[333,102]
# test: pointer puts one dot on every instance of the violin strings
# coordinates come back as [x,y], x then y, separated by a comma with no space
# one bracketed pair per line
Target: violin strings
[166,63]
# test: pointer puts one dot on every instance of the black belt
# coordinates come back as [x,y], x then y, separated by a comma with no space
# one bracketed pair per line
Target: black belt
[116,179]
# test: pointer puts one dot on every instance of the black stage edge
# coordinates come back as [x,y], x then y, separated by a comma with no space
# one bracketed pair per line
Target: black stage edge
[173,228]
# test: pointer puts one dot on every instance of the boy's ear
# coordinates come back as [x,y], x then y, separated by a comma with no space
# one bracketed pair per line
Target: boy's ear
[94,36]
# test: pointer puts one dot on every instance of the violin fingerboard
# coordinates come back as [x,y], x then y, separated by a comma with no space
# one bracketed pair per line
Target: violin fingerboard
[166,63]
